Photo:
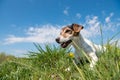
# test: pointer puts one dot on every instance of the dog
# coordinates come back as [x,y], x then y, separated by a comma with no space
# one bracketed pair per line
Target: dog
[70,35]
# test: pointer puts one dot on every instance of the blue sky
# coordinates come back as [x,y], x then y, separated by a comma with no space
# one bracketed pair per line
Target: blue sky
[23,22]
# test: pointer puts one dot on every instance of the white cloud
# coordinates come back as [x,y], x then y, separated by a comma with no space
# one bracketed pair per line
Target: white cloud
[65,11]
[13,39]
[93,24]
[17,52]
[93,27]
[115,42]
[110,25]
[48,33]
[108,19]
[40,34]
[78,15]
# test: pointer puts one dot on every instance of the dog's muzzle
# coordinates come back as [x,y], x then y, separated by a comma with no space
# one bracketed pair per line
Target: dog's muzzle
[63,44]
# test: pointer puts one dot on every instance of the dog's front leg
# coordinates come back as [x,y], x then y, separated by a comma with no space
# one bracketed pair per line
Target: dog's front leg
[94,59]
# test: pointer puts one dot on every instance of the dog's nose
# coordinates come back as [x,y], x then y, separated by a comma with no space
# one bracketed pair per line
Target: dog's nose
[57,40]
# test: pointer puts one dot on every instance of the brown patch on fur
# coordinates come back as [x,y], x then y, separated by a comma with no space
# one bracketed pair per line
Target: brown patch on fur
[77,28]
[64,33]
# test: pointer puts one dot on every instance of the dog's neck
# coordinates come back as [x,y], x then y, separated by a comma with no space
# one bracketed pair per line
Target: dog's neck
[78,41]
[78,44]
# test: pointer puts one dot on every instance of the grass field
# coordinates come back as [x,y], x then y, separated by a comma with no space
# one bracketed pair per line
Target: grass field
[56,63]
[51,64]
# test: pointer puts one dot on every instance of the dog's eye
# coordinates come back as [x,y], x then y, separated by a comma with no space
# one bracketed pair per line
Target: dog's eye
[68,31]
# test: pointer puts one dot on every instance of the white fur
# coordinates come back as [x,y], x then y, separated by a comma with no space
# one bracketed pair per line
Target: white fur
[80,43]
[62,39]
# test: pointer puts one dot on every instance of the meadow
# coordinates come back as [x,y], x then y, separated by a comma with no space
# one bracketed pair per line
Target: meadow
[51,63]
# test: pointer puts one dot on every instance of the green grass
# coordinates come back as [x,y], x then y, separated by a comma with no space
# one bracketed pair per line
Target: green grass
[50,64]
[5,57]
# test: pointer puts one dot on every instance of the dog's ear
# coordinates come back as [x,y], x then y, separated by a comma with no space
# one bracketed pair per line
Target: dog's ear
[77,28]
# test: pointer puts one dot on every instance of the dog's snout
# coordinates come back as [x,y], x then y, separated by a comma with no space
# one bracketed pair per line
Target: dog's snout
[57,40]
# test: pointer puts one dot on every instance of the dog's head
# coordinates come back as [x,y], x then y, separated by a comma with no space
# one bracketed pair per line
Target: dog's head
[68,33]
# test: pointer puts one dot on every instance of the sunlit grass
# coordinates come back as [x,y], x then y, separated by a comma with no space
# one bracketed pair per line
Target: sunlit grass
[50,64]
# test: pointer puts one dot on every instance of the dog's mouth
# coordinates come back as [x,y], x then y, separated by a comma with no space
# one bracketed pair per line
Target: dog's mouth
[65,44]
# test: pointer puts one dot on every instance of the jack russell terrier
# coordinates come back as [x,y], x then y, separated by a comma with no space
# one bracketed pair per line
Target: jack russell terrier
[70,35]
